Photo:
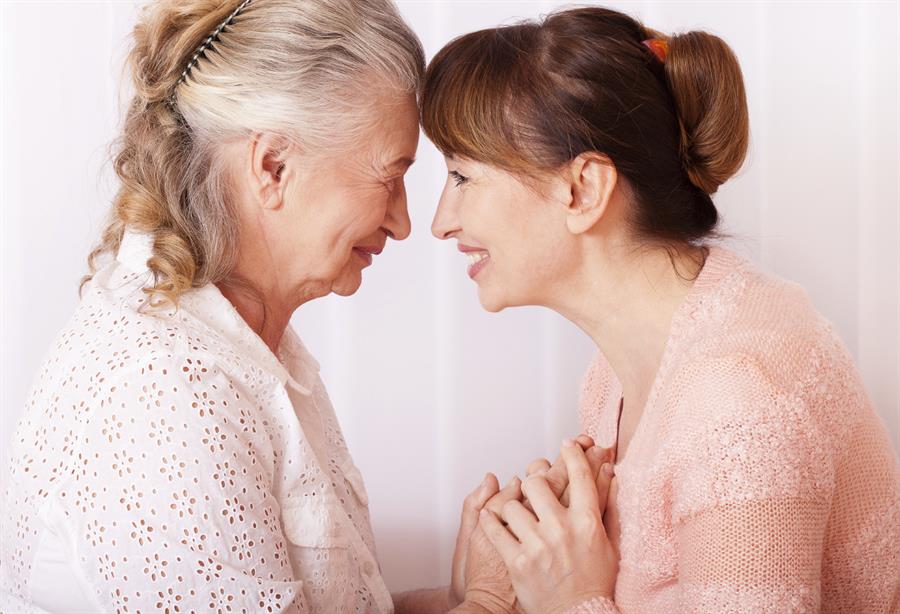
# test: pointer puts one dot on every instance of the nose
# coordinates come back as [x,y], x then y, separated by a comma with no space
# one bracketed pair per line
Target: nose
[396,220]
[446,218]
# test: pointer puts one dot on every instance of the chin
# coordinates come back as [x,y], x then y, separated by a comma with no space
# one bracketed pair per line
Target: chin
[347,284]
[345,291]
[490,303]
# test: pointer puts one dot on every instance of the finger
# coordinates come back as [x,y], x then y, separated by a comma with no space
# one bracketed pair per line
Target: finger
[599,455]
[506,544]
[596,457]
[543,501]
[585,441]
[527,504]
[520,522]
[557,478]
[489,487]
[541,464]
[604,482]
[472,504]
[557,472]
[513,490]
[583,486]
[476,499]
[467,524]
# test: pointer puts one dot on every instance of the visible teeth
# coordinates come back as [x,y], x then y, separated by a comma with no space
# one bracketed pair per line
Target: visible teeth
[476,257]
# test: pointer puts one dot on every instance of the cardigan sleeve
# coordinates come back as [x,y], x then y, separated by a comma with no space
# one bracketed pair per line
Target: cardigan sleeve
[751,494]
[185,520]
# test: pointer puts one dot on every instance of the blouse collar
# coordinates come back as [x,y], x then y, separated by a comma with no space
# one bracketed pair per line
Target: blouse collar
[210,306]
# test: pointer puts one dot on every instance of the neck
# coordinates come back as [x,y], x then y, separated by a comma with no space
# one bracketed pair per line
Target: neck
[262,300]
[267,316]
[625,302]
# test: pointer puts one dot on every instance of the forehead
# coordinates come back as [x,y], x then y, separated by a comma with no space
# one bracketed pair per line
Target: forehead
[388,136]
[395,122]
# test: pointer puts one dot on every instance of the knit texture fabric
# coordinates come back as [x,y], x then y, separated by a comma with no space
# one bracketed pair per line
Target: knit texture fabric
[759,478]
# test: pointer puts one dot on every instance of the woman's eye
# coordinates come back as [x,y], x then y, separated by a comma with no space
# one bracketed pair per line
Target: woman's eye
[458,178]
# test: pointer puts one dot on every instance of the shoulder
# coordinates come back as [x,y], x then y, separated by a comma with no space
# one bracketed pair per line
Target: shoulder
[736,435]
[183,408]
[774,313]
[772,343]
[773,308]
[116,329]
[160,383]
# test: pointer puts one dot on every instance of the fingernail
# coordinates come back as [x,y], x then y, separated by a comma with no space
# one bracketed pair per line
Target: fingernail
[568,443]
[608,470]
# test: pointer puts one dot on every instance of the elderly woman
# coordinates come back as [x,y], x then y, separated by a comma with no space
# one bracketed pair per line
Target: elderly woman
[752,473]
[179,452]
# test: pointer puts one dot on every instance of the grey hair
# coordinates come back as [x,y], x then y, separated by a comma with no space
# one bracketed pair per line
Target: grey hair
[303,69]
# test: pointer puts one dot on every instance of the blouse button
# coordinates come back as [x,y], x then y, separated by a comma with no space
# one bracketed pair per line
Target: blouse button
[369,568]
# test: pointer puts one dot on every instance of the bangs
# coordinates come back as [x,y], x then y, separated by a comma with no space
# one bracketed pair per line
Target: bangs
[469,98]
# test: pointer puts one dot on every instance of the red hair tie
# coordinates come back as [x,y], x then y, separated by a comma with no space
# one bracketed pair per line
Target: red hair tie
[659,47]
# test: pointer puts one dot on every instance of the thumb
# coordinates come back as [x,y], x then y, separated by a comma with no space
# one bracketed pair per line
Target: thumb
[471,506]
[468,522]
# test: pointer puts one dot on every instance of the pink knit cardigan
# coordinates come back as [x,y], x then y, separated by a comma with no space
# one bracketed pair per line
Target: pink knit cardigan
[759,479]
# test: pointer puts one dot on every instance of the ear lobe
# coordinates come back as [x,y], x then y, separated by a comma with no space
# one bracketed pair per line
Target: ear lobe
[593,181]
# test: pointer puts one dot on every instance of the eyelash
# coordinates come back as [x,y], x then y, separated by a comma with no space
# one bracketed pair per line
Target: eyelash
[458,178]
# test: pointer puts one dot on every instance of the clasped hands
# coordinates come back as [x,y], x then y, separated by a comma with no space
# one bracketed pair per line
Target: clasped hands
[538,545]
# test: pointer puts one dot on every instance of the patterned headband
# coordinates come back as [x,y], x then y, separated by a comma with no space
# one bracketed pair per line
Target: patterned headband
[659,47]
[203,47]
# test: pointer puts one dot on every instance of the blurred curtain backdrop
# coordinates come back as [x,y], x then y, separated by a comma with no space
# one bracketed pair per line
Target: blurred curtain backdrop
[432,391]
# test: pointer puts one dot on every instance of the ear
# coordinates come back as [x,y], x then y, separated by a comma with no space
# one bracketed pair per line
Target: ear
[267,160]
[593,179]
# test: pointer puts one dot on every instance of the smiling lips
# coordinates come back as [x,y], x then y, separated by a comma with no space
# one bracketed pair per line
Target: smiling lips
[478,258]
[366,253]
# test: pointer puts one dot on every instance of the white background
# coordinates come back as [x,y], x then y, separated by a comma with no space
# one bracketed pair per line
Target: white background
[432,391]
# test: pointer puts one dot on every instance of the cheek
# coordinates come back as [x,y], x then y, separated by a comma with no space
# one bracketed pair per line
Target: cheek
[359,222]
[535,257]
[364,215]
[345,221]
[531,250]
[516,235]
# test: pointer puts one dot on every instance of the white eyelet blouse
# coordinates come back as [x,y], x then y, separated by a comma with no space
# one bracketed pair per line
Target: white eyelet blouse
[173,463]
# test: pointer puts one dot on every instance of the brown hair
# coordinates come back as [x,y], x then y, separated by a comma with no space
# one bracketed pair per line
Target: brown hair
[530,97]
